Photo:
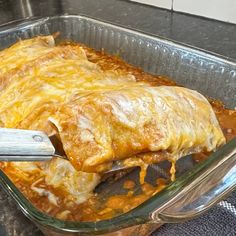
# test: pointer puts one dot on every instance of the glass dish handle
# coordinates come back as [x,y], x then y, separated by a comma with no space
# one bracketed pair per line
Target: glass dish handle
[200,191]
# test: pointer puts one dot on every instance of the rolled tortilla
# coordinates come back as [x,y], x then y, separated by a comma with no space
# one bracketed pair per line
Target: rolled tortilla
[97,128]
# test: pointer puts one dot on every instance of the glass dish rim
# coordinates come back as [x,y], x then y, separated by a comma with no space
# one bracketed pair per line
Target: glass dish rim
[35,19]
[138,215]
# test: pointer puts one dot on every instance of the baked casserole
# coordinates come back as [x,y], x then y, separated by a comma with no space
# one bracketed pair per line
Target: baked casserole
[103,110]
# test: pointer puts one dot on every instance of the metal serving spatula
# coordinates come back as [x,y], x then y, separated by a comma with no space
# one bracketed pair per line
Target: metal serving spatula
[31,145]
[28,145]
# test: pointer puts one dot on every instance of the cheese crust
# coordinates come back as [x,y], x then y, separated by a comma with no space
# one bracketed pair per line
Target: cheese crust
[102,110]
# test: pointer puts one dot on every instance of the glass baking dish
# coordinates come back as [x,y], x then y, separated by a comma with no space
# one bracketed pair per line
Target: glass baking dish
[197,186]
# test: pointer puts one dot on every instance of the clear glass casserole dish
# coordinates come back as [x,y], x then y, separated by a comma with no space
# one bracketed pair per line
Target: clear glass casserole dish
[197,187]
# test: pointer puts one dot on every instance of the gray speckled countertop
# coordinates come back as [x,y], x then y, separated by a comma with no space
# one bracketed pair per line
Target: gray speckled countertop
[211,35]
[214,36]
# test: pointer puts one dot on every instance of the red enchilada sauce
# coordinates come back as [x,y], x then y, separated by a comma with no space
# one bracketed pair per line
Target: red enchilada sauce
[96,209]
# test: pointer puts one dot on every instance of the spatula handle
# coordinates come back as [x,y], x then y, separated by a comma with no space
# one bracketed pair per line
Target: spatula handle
[24,145]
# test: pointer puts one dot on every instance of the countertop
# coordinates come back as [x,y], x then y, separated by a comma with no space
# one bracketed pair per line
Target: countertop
[211,35]
[215,36]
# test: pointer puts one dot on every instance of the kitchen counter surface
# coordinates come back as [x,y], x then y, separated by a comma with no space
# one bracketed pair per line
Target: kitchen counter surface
[211,35]
[214,36]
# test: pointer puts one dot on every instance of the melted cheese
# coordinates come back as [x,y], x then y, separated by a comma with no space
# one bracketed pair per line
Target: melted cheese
[37,77]
[25,51]
[101,113]
[99,127]
[56,174]
[61,174]
[53,81]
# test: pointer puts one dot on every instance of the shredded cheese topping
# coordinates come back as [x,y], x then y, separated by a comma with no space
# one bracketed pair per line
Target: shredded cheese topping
[102,114]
